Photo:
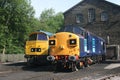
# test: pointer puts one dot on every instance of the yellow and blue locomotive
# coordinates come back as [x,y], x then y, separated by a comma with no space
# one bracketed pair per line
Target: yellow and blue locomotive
[36,48]
[75,48]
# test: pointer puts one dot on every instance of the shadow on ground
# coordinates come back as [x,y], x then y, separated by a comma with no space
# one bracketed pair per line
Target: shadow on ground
[45,68]
[36,68]
[23,66]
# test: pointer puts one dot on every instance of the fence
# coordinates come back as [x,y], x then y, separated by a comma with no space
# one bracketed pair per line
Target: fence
[12,57]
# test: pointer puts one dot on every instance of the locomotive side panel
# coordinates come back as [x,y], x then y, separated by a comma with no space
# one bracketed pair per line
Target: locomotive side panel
[96,45]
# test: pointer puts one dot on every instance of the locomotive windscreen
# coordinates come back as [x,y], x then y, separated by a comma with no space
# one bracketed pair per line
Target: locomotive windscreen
[42,37]
[33,37]
[38,37]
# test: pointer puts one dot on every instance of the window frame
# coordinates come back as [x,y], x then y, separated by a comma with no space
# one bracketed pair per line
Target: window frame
[79,18]
[104,16]
[91,15]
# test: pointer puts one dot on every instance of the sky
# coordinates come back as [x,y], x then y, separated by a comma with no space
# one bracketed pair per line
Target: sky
[57,5]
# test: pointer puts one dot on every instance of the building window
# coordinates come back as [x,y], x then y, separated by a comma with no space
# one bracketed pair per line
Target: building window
[79,18]
[91,15]
[104,16]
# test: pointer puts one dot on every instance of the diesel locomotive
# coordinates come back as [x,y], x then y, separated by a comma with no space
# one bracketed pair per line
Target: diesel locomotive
[36,48]
[75,48]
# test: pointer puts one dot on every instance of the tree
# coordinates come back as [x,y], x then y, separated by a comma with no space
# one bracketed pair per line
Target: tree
[50,21]
[16,19]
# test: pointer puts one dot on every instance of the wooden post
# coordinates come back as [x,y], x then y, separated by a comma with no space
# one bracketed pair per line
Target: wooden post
[118,51]
[3,54]
[108,39]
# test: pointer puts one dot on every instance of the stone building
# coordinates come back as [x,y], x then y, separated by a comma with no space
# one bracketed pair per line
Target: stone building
[97,16]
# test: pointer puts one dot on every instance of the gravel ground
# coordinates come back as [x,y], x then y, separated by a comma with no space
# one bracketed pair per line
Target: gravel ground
[114,78]
[19,71]
[110,77]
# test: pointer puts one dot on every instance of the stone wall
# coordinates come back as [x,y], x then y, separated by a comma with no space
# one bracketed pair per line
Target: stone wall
[12,57]
[110,28]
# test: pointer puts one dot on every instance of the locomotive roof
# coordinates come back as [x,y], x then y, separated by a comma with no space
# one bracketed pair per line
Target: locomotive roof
[73,28]
[41,31]
[77,30]
[46,32]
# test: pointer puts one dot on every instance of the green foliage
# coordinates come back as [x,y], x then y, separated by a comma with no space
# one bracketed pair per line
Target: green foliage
[50,21]
[17,22]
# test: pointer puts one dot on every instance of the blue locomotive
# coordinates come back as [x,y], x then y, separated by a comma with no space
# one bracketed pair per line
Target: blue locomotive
[75,48]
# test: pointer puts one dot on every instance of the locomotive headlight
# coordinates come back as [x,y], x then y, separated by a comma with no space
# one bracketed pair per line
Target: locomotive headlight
[38,49]
[32,49]
[51,42]
[72,42]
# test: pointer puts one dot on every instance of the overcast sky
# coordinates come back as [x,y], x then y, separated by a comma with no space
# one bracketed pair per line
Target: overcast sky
[57,5]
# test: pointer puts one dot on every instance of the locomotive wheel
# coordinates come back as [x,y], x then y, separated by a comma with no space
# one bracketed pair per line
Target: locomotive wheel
[73,67]
[86,64]
[80,65]
[103,57]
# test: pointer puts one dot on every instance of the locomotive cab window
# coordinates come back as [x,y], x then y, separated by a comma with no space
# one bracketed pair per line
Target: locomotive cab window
[37,37]
[42,37]
[72,42]
[33,37]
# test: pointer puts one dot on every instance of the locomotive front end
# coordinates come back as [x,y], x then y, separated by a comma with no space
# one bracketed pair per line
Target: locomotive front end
[36,48]
[64,48]
[37,44]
